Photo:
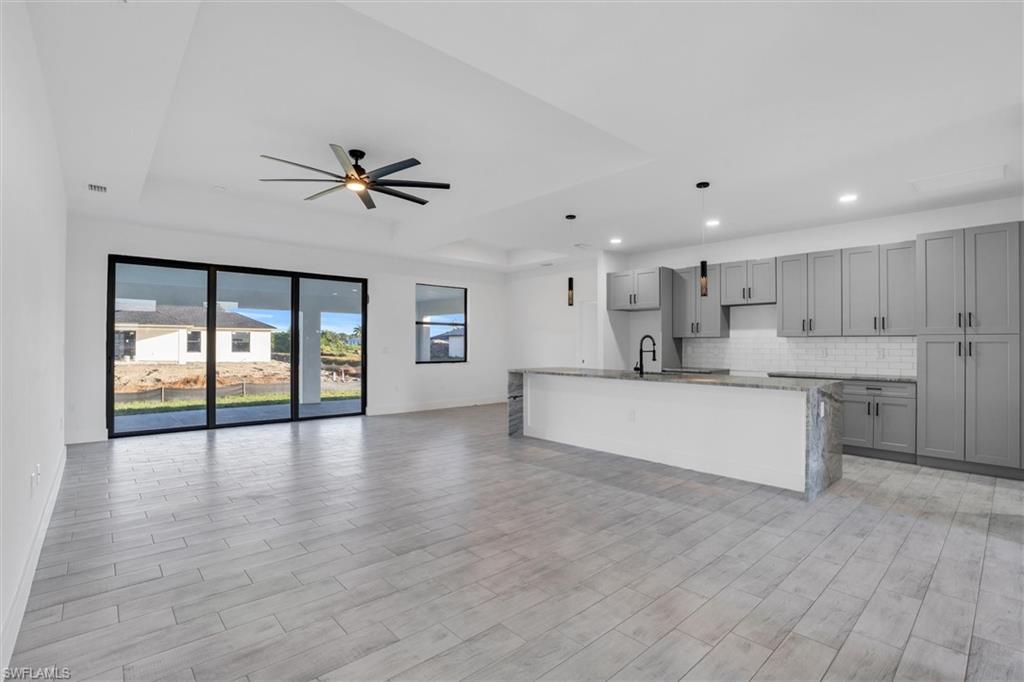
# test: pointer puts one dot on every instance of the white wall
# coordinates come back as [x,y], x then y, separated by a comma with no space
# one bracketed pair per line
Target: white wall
[32,248]
[543,330]
[394,382]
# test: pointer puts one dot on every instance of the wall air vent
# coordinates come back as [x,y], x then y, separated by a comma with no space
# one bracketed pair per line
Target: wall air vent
[97,188]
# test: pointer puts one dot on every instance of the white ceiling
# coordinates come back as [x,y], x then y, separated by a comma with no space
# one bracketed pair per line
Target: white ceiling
[531,111]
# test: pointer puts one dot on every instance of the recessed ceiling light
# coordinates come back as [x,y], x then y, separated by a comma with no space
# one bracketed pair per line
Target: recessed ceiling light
[219,188]
[570,216]
[581,245]
[546,265]
[714,222]
[847,198]
[615,240]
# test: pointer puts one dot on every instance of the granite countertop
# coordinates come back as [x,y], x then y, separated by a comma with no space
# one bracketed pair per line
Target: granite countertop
[845,377]
[777,383]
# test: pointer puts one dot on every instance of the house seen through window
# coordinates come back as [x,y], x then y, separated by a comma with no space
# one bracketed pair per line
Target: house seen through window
[441,332]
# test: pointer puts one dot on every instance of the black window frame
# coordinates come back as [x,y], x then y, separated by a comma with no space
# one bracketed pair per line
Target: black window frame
[241,338]
[464,324]
[211,269]
[198,340]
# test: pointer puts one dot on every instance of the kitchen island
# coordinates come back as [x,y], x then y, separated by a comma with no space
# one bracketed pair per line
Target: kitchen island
[782,432]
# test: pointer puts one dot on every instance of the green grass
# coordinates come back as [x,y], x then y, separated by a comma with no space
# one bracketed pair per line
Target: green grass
[152,406]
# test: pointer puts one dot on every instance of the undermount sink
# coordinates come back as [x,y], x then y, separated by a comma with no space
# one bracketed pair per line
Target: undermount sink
[693,370]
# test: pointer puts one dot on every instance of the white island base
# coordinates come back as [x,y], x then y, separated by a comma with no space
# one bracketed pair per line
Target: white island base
[768,432]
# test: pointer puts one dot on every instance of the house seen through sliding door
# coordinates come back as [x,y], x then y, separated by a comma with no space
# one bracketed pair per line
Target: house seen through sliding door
[276,346]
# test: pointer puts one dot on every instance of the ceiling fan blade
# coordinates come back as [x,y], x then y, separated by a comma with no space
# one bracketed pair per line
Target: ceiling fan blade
[343,159]
[297,180]
[367,199]
[397,194]
[299,165]
[326,191]
[422,184]
[392,168]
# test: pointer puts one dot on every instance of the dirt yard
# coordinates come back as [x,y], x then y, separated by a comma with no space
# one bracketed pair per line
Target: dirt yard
[139,376]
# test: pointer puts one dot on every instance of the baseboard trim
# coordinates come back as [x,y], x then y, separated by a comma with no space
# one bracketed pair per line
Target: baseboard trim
[905,457]
[400,408]
[971,467]
[12,624]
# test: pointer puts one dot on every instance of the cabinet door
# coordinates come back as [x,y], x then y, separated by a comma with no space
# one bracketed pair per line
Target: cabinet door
[684,307]
[860,292]
[940,282]
[647,295]
[857,420]
[940,395]
[620,290]
[791,308]
[895,424]
[992,279]
[761,281]
[709,308]
[734,283]
[825,293]
[993,399]
[896,288]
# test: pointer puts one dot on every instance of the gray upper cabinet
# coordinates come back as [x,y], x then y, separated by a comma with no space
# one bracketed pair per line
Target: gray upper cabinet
[748,282]
[941,367]
[993,400]
[992,279]
[940,282]
[761,281]
[694,315]
[824,293]
[897,282]
[734,283]
[637,289]
[791,306]
[861,316]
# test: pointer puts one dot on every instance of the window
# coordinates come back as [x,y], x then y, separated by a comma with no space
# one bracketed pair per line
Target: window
[240,342]
[194,342]
[440,323]
[124,345]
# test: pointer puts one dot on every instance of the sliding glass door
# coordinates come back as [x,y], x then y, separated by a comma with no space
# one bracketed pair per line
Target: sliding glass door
[275,346]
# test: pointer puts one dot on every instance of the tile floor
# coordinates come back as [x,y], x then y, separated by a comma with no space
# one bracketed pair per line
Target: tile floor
[432,546]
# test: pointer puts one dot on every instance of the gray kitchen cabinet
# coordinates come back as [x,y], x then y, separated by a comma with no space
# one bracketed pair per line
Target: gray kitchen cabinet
[684,303]
[861,300]
[895,424]
[992,279]
[993,417]
[748,282]
[647,294]
[761,281]
[858,420]
[791,295]
[637,289]
[825,293]
[734,283]
[941,398]
[940,282]
[896,283]
[694,315]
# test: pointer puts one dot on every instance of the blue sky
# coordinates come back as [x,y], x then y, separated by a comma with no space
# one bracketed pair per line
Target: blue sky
[281,319]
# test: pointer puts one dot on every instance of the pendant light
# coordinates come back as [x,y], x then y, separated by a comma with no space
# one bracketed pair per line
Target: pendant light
[570,217]
[703,185]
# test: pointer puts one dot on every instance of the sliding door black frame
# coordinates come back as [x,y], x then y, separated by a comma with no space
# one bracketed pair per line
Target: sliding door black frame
[211,346]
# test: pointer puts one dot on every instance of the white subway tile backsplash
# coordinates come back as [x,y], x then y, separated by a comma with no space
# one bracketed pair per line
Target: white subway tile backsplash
[886,356]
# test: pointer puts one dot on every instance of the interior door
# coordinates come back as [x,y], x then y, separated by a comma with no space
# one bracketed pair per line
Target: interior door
[648,290]
[860,292]
[940,282]
[897,285]
[791,307]
[992,279]
[684,303]
[734,283]
[941,364]
[825,293]
[761,281]
[895,423]
[993,400]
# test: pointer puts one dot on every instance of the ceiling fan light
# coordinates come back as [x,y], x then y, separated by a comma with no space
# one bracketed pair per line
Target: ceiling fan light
[355,185]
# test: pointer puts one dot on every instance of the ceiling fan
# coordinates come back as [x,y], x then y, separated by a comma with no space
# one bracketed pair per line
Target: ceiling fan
[359,180]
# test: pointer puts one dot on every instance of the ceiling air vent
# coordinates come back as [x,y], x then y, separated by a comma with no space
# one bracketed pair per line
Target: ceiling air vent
[97,188]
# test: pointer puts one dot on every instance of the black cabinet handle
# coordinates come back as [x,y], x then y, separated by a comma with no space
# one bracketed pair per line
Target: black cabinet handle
[883,323]
[698,327]
[959,319]
[959,348]
[803,325]
[876,322]
[970,319]
[692,330]
[810,324]
[869,407]
[970,348]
